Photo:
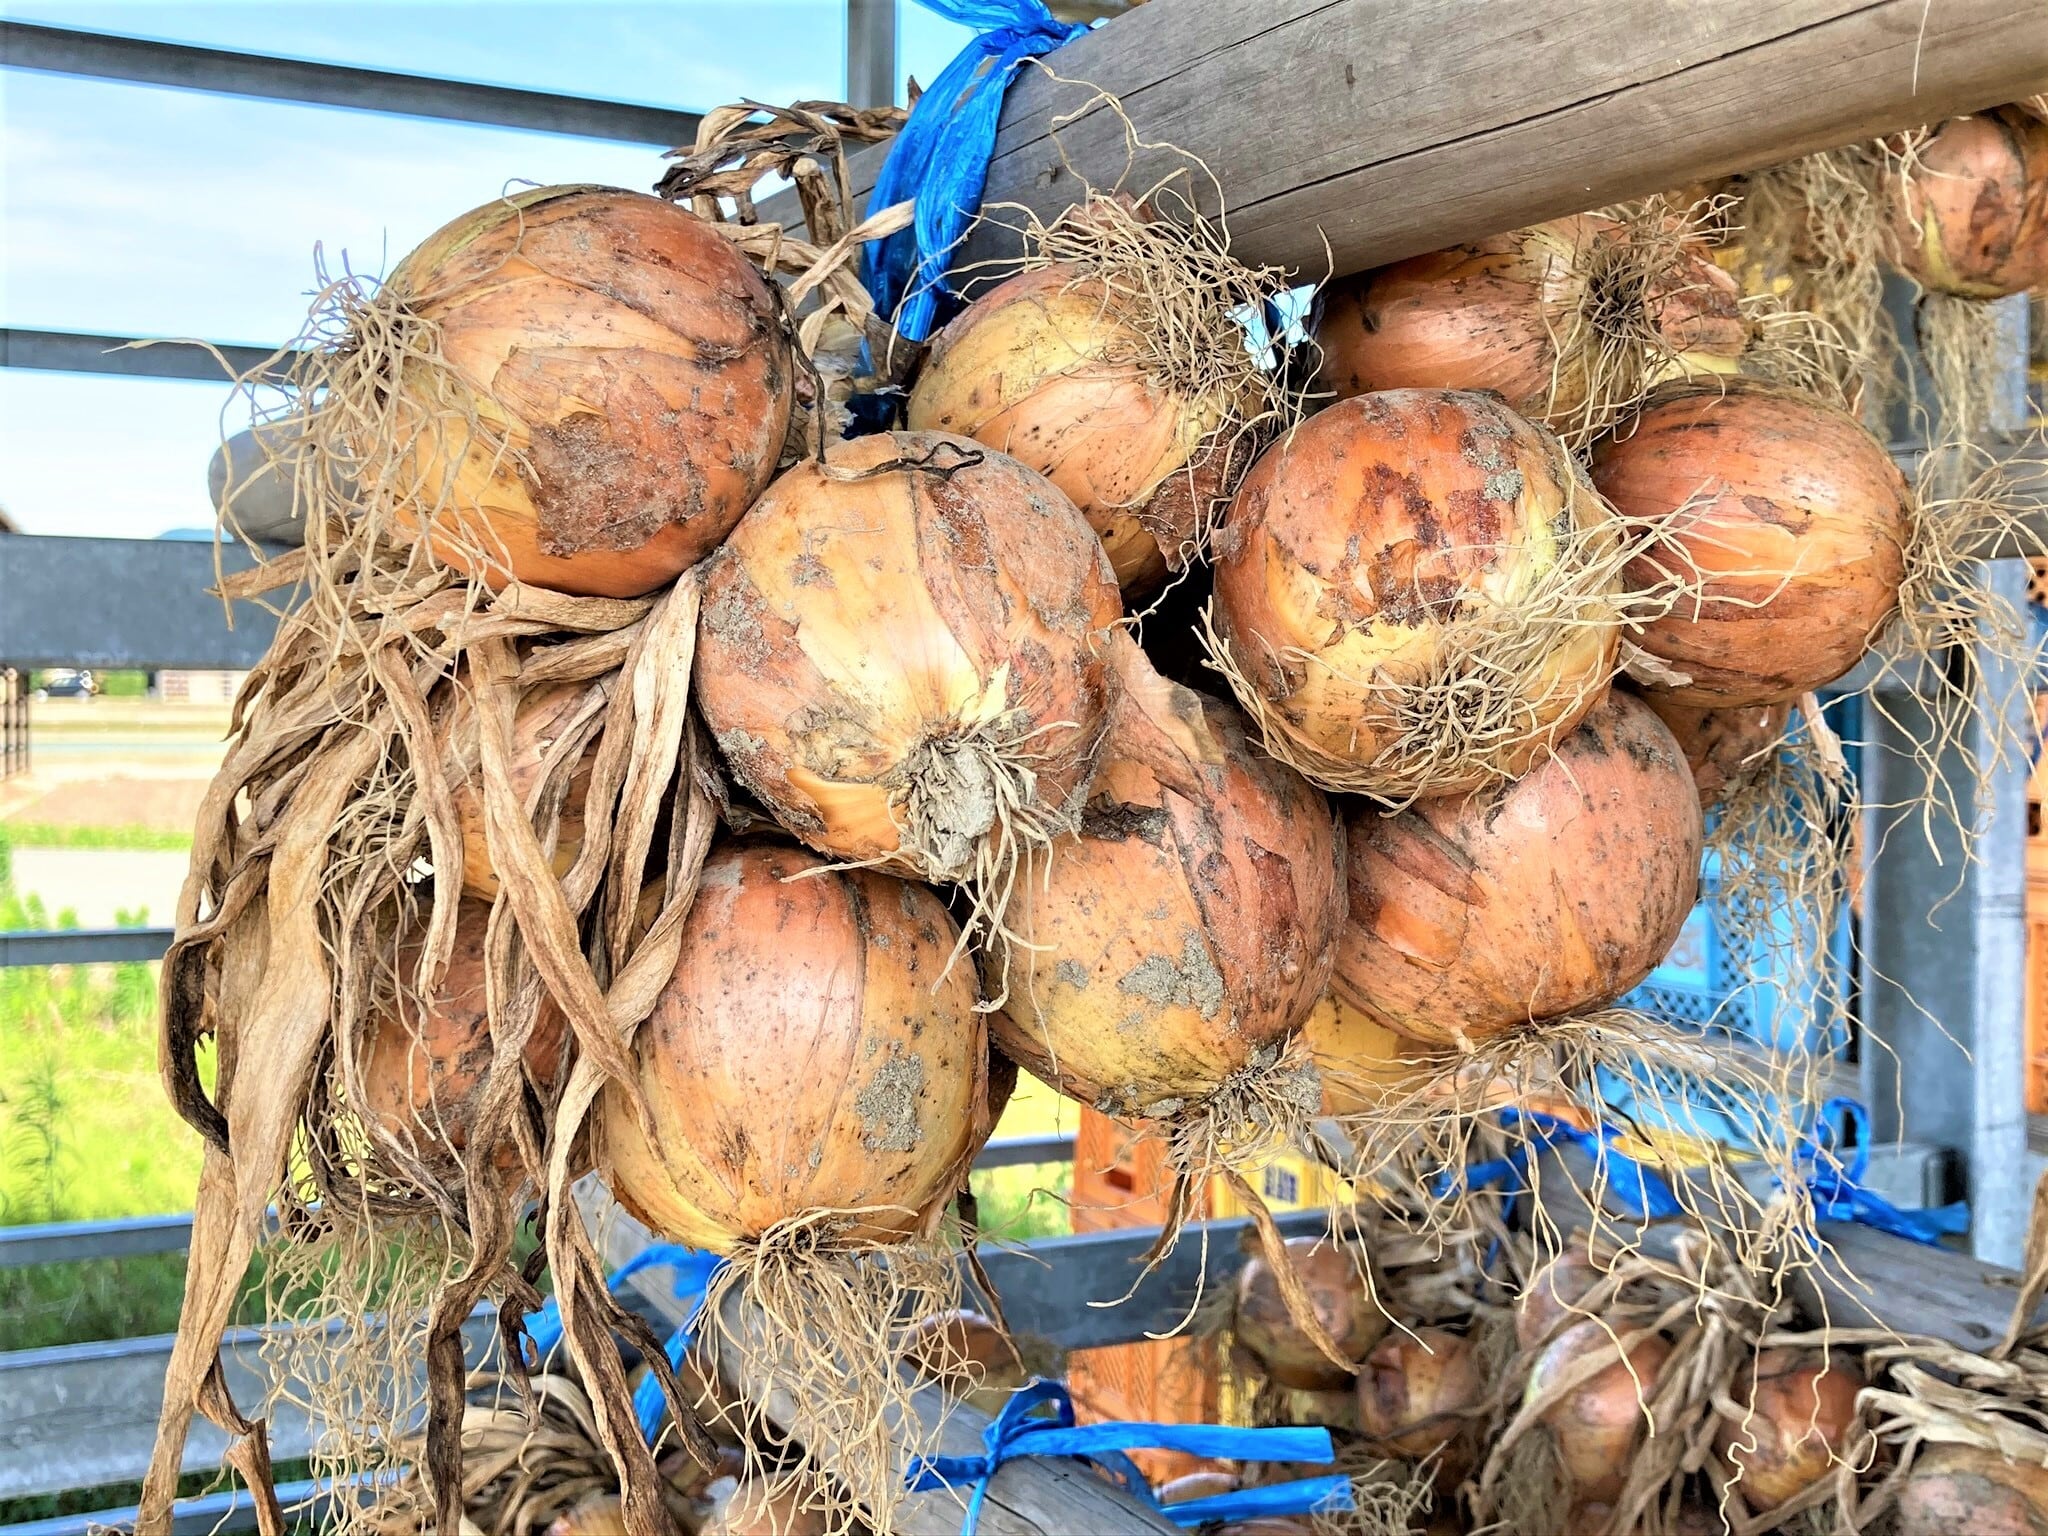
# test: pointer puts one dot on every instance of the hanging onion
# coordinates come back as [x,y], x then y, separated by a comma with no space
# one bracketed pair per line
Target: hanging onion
[1957,1488]
[1417,593]
[1568,321]
[1801,1414]
[1332,1276]
[1476,916]
[1725,748]
[811,1054]
[423,1065]
[1968,207]
[630,379]
[1595,1426]
[551,721]
[1795,520]
[1174,946]
[903,654]
[1049,367]
[1418,1393]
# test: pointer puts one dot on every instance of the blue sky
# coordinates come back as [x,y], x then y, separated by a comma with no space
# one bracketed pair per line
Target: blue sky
[134,210]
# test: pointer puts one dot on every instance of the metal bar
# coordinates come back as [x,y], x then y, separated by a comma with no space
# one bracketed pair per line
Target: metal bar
[232,1510]
[68,1242]
[123,603]
[871,53]
[230,72]
[82,946]
[89,352]
[1022,1151]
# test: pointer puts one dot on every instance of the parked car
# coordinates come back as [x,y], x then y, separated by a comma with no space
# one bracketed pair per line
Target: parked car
[62,683]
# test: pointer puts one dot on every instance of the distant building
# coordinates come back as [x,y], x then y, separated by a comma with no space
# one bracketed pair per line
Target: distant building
[188,686]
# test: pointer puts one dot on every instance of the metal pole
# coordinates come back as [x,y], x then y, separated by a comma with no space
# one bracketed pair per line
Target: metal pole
[871,53]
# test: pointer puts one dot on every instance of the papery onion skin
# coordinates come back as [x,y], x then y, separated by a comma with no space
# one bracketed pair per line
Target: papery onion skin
[1725,748]
[636,367]
[1969,211]
[1356,537]
[1043,367]
[1475,916]
[1490,314]
[543,716]
[1596,1427]
[423,1067]
[1552,1296]
[1415,1390]
[1798,1433]
[1957,1488]
[812,1052]
[1330,1274]
[762,1507]
[1184,934]
[864,615]
[1795,522]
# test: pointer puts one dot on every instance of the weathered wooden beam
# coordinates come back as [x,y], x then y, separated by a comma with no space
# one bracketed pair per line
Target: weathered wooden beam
[1383,128]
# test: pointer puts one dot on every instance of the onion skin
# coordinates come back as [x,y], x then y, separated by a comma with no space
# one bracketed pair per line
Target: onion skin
[1039,368]
[1187,930]
[1958,1488]
[1414,1392]
[543,716]
[1473,917]
[636,366]
[1195,1485]
[758,1508]
[1552,1296]
[422,1070]
[1804,1413]
[1355,536]
[1596,1427]
[811,1052]
[1725,748]
[1343,1306]
[861,613]
[1970,217]
[1488,315]
[1797,521]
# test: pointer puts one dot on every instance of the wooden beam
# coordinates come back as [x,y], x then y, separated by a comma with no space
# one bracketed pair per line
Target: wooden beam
[1391,127]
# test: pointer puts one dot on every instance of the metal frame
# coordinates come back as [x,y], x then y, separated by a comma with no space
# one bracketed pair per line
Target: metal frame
[140,357]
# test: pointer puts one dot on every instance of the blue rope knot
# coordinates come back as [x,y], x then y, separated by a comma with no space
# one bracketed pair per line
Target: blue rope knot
[1839,1193]
[941,157]
[1022,1430]
[1639,1190]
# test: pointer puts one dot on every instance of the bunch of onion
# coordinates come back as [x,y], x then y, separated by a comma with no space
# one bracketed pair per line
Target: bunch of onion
[904,655]
[1570,322]
[1420,1394]
[1952,1488]
[1116,364]
[1417,594]
[1795,1424]
[1300,1383]
[808,1094]
[1165,960]
[576,388]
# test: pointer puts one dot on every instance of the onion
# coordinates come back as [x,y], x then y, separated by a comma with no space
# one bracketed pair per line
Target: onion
[1195,1485]
[1330,1274]
[759,1506]
[1793,515]
[1416,594]
[423,1068]
[1047,367]
[1364,1065]
[1966,1488]
[549,719]
[629,370]
[1595,1426]
[1175,944]
[1725,748]
[1473,917]
[903,654]
[1334,1408]
[1417,1392]
[811,1053]
[1969,209]
[597,1514]
[1553,1295]
[1566,321]
[1802,1414]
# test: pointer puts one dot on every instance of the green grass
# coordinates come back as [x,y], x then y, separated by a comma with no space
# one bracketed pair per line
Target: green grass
[88,1501]
[39,834]
[1029,1201]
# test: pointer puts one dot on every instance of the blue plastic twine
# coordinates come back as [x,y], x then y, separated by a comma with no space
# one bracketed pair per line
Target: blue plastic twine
[941,156]
[1639,1191]
[1017,1431]
[694,1272]
[1839,1193]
